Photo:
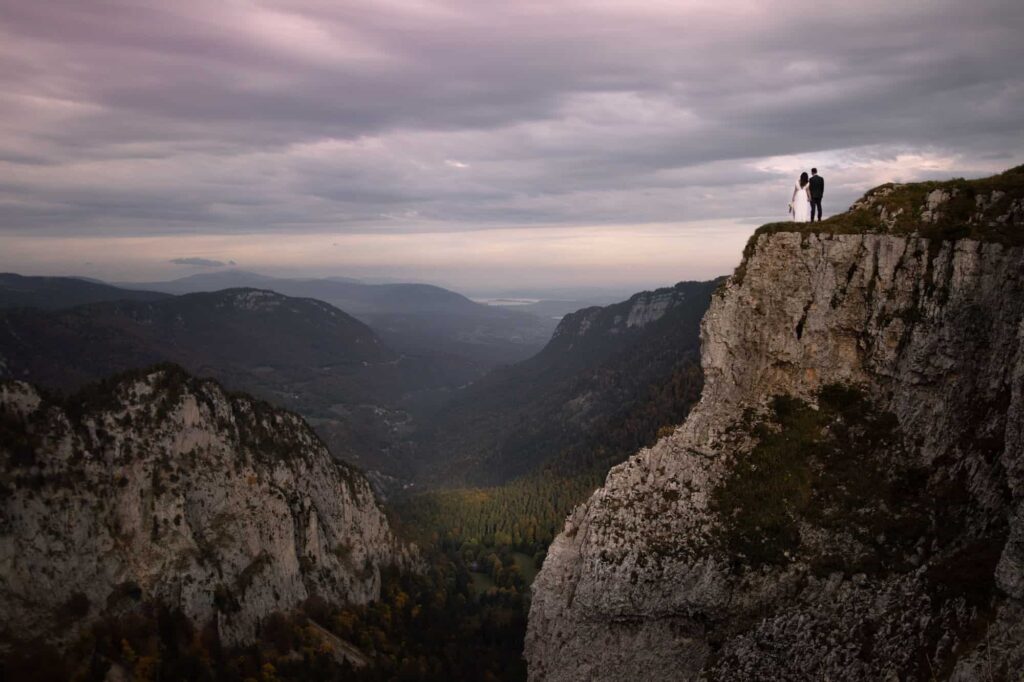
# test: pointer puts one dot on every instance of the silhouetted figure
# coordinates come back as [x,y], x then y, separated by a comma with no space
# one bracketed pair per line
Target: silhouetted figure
[817,192]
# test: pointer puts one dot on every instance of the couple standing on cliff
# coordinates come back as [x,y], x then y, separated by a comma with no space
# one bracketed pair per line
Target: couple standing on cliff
[807,194]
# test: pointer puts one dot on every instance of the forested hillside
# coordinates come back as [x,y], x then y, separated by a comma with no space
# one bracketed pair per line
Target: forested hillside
[54,293]
[606,382]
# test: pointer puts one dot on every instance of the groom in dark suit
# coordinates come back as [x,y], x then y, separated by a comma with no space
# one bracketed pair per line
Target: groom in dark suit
[817,192]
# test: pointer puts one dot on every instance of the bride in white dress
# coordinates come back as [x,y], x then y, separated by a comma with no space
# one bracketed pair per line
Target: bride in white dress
[800,204]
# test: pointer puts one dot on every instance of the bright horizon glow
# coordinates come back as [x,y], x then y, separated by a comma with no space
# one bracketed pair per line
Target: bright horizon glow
[648,255]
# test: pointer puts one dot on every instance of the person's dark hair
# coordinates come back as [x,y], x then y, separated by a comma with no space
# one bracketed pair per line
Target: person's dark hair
[803,179]
[814,171]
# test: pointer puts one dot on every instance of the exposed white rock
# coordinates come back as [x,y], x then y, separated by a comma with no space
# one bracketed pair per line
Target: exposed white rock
[637,586]
[643,309]
[932,209]
[652,306]
[254,299]
[167,488]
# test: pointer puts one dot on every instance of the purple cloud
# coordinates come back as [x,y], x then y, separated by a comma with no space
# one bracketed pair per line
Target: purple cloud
[155,118]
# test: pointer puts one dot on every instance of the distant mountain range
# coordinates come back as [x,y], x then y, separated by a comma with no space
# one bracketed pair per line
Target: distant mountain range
[414,319]
[243,328]
[53,293]
[348,294]
[552,309]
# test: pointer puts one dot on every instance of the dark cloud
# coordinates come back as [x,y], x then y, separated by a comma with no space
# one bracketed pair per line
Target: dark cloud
[200,262]
[154,118]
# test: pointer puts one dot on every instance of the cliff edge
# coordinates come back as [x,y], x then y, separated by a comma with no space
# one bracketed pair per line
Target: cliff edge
[159,487]
[845,502]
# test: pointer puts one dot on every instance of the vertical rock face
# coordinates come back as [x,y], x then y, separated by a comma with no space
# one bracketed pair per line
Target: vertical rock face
[162,487]
[604,322]
[845,502]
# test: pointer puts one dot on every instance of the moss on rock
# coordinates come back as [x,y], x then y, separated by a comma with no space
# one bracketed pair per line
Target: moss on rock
[986,209]
[829,467]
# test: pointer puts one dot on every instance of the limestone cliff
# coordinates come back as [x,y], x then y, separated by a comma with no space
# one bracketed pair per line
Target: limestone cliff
[639,311]
[160,487]
[845,502]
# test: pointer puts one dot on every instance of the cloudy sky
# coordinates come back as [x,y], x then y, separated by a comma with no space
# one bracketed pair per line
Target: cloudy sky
[475,143]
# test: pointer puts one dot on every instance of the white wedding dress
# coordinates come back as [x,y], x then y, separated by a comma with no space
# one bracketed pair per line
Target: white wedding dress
[801,203]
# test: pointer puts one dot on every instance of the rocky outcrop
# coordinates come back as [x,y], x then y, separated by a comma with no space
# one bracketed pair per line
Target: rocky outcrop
[845,502]
[641,310]
[157,487]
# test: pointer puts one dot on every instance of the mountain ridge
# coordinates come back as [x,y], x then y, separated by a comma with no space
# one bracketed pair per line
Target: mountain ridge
[359,295]
[51,293]
[161,329]
[414,319]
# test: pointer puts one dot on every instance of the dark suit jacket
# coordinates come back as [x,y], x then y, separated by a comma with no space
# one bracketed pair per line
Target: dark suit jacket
[817,187]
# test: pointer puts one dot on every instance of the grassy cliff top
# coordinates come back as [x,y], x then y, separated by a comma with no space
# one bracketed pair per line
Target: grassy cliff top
[987,209]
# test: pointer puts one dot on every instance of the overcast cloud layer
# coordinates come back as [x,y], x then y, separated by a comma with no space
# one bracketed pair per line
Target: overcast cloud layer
[333,136]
